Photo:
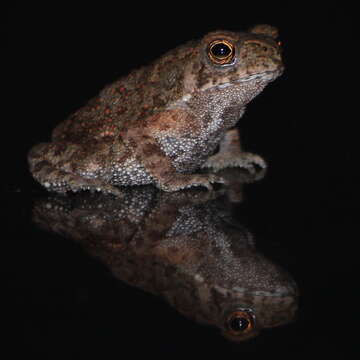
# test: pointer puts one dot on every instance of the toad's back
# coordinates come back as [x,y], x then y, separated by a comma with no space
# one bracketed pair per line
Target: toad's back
[129,100]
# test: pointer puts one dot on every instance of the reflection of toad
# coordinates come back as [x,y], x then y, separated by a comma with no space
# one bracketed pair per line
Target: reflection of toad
[161,123]
[183,247]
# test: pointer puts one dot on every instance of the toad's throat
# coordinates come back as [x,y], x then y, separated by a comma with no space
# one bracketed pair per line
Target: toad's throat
[249,87]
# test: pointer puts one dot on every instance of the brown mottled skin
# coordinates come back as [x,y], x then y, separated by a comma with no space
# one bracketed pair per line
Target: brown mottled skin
[162,122]
[183,247]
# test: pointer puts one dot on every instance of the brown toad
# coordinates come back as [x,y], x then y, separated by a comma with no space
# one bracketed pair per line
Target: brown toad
[162,122]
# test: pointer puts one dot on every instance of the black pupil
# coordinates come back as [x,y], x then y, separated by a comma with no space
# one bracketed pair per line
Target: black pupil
[239,324]
[221,50]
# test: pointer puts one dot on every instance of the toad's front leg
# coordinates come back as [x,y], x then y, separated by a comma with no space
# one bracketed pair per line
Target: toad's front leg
[230,155]
[147,150]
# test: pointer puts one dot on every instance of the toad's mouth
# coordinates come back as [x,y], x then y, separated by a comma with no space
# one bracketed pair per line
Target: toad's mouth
[264,77]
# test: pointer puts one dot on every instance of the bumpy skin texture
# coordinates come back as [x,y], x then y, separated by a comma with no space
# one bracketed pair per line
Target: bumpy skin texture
[182,246]
[162,122]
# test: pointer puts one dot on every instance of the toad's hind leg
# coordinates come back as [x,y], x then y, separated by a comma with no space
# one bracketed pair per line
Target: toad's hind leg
[230,155]
[50,165]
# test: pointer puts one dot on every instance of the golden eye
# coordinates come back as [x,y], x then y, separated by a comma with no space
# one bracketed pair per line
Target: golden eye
[221,52]
[240,322]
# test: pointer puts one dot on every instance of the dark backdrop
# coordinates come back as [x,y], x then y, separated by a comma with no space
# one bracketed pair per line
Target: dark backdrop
[58,55]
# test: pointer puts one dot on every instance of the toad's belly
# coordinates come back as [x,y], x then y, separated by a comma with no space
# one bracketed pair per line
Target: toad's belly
[131,172]
[187,154]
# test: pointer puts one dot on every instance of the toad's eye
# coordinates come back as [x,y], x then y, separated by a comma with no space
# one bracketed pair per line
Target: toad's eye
[240,322]
[221,52]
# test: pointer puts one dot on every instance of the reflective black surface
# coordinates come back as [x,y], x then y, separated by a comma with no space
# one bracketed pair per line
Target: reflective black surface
[63,303]
[185,247]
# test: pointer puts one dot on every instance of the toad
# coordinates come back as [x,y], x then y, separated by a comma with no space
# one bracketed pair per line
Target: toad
[166,121]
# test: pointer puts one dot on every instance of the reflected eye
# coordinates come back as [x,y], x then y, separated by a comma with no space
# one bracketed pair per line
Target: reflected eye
[240,322]
[221,52]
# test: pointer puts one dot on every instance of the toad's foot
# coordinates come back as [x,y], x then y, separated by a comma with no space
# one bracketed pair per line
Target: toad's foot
[185,181]
[49,165]
[57,180]
[244,160]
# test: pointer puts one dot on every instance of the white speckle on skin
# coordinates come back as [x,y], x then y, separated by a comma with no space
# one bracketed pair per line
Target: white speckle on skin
[186,97]
[199,278]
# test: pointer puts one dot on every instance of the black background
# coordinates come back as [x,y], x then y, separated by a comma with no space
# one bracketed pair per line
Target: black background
[63,304]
